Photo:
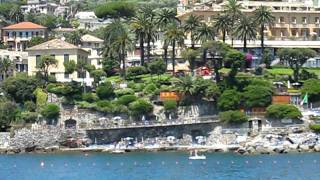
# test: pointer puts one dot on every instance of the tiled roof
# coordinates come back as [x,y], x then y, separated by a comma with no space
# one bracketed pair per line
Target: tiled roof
[25,25]
[53,44]
[90,38]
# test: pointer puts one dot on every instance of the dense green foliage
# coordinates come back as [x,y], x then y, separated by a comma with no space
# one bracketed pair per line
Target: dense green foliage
[133,72]
[50,111]
[257,96]
[315,127]
[170,105]
[117,9]
[126,99]
[229,100]
[20,87]
[140,107]
[283,111]
[89,97]
[125,91]
[105,90]
[8,112]
[236,117]
[312,87]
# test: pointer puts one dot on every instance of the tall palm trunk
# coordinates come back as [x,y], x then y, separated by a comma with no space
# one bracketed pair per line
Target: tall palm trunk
[123,57]
[141,50]
[165,55]
[192,42]
[173,56]
[224,36]
[204,56]
[245,50]
[148,47]
[262,38]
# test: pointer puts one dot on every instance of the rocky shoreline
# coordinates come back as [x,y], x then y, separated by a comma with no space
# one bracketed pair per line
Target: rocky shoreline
[271,142]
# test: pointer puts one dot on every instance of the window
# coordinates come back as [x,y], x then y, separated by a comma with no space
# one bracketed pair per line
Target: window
[20,34]
[38,59]
[294,20]
[27,34]
[66,75]
[281,19]
[81,74]
[316,20]
[65,58]
[304,20]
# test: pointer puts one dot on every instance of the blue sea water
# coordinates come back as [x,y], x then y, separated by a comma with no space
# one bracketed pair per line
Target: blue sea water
[162,165]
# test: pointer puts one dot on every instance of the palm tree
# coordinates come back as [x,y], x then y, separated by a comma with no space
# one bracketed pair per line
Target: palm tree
[185,85]
[190,25]
[74,38]
[122,42]
[203,34]
[16,14]
[138,25]
[150,28]
[245,30]
[233,10]
[222,24]
[5,66]
[263,16]
[165,17]
[175,36]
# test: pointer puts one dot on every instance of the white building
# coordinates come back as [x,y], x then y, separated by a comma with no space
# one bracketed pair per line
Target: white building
[19,60]
[94,46]
[88,20]
[39,6]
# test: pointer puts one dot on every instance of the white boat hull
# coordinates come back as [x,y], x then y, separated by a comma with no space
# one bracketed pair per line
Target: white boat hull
[197,157]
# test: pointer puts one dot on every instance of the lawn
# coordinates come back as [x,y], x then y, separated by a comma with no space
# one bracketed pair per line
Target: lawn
[287,71]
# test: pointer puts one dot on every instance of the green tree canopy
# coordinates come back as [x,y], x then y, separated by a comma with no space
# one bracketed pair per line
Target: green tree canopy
[8,114]
[229,100]
[20,87]
[35,41]
[157,67]
[233,117]
[312,88]
[105,90]
[51,112]
[140,107]
[115,9]
[282,111]
[295,58]
[257,96]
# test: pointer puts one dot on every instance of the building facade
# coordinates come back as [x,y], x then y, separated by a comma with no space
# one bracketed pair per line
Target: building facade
[62,52]
[39,6]
[94,46]
[89,21]
[294,19]
[17,36]
[19,61]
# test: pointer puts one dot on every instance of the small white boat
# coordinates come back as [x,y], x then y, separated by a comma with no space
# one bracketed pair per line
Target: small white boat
[194,156]
[118,151]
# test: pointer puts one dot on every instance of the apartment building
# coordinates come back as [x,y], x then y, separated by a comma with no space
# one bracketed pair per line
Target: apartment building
[297,22]
[94,46]
[17,36]
[295,19]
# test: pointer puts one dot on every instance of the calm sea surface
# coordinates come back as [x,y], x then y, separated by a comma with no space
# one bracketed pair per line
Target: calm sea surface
[164,165]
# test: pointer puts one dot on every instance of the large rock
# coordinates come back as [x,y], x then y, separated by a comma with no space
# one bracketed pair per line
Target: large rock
[317,148]
[304,148]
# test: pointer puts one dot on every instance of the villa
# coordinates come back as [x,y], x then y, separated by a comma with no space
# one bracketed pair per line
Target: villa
[63,52]
[89,21]
[39,6]
[17,36]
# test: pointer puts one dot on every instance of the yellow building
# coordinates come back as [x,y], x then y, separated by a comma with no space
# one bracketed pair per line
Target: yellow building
[62,52]
[294,19]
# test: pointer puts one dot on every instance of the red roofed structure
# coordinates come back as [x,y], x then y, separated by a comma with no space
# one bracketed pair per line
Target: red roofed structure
[17,36]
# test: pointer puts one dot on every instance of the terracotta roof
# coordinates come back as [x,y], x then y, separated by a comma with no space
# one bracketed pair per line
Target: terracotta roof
[25,25]
[53,44]
[90,38]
